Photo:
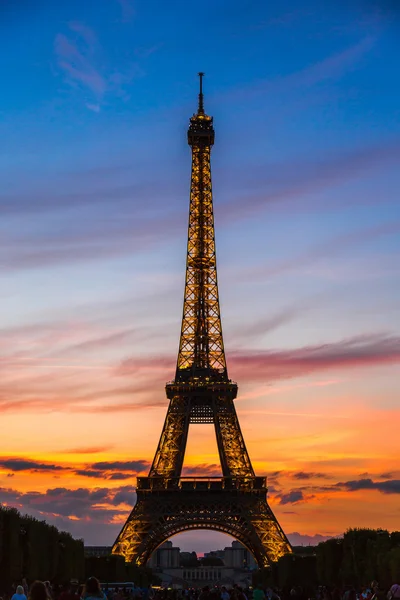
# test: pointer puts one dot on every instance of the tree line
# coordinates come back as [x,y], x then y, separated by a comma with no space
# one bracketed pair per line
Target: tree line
[356,559]
[35,550]
[361,556]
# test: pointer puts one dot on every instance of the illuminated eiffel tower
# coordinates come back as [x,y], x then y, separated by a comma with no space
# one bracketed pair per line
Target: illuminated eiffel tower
[201,392]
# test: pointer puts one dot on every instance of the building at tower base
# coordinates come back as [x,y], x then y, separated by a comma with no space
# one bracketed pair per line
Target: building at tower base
[235,567]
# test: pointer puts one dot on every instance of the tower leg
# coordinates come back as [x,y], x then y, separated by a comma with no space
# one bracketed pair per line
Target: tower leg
[234,458]
[168,460]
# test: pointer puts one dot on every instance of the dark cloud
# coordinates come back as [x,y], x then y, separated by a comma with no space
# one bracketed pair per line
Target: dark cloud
[135,466]
[89,473]
[309,475]
[9,496]
[386,487]
[119,476]
[16,464]
[117,470]
[324,488]
[292,497]
[125,495]
[81,503]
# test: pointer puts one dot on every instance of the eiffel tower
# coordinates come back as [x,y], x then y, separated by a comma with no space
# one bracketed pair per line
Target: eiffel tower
[201,392]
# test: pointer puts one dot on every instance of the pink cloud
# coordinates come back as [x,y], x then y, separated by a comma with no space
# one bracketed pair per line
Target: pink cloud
[357,352]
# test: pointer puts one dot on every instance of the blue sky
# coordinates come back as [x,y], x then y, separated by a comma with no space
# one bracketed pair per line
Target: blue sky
[95,172]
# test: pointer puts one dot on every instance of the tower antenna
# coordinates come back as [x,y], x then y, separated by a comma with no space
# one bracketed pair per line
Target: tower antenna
[201,98]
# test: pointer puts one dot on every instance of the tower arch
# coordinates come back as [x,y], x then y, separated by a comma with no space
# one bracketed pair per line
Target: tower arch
[201,526]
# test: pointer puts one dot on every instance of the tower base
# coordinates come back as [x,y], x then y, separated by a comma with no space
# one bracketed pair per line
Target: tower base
[236,506]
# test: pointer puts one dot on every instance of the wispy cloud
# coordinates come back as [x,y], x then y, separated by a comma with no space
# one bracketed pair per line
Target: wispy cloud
[296,183]
[127,10]
[87,450]
[332,66]
[81,59]
[77,55]
[97,242]
[329,68]
[333,246]
[248,332]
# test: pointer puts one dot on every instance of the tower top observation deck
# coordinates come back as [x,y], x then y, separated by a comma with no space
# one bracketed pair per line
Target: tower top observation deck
[201,130]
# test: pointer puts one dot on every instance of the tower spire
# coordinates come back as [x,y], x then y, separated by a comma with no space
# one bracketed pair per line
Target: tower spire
[201,97]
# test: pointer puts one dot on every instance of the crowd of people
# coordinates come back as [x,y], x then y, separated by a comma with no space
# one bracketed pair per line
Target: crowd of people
[93,590]
[372,592]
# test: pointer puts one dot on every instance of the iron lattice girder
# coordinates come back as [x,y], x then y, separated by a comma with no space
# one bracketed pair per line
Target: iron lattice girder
[241,513]
[201,343]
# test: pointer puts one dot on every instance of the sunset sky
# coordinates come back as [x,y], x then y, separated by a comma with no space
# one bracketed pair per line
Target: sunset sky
[95,169]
